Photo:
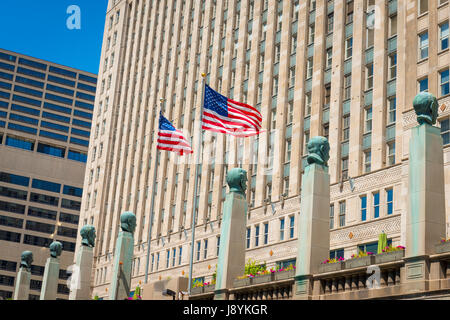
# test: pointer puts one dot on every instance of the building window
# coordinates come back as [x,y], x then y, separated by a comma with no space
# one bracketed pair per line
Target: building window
[369,76]
[330,23]
[308,103]
[168,258]
[368,120]
[392,25]
[423,6]
[344,169]
[445,131]
[266,233]
[205,248]
[376,205]
[347,87]
[443,30]
[218,245]
[257,236]
[291,226]
[336,254]
[332,216]
[445,85]
[392,60]
[329,59]
[367,161]
[391,153]
[423,45]
[309,68]
[392,102]
[312,30]
[281,229]
[363,208]
[348,48]
[342,209]
[248,237]
[390,201]
[349,12]
[423,85]
[199,244]
[346,128]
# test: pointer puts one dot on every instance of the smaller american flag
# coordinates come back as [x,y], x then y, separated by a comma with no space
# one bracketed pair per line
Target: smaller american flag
[224,115]
[171,139]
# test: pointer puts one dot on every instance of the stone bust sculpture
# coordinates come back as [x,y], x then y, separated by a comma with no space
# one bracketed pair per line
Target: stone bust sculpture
[88,236]
[128,222]
[319,151]
[426,107]
[237,180]
[55,249]
[26,259]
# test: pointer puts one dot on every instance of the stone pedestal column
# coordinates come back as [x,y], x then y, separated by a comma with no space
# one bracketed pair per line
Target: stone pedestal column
[123,258]
[50,280]
[313,227]
[80,286]
[22,288]
[425,222]
[231,261]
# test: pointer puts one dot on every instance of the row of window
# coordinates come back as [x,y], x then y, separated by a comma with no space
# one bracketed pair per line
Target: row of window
[34,240]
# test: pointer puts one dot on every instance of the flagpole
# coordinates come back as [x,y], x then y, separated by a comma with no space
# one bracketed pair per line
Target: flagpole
[152,202]
[197,163]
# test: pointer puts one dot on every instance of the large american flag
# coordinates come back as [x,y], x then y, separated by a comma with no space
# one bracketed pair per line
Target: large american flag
[224,115]
[171,139]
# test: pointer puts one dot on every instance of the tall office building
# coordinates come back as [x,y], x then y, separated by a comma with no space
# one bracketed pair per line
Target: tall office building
[347,70]
[45,124]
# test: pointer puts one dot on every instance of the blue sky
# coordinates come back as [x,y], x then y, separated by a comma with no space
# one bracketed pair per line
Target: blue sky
[38,28]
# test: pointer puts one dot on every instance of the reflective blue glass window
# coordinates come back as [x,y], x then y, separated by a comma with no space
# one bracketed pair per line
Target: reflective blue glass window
[85,96]
[84,105]
[79,141]
[41,198]
[14,179]
[17,117]
[27,100]
[52,135]
[59,80]
[81,123]
[4,95]
[69,218]
[376,205]
[336,254]
[19,143]
[53,116]
[73,191]
[51,150]
[87,78]
[82,114]
[33,64]
[3,114]
[23,109]
[32,73]
[28,91]
[77,156]
[30,82]
[66,246]
[83,86]
[60,90]
[80,132]
[6,76]
[423,85]
[54,97]
[390,201]
[18,127]
[6,66]
[4,104]
[55,107]
[46,185]
[63,72]
[5,85]
[54,126]
[71,204]
[363,208]
[42,213]
[2,125]
[7,57]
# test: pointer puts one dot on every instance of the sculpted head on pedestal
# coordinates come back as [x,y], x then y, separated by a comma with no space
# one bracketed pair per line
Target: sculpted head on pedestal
[237,180]
[426,107]
[26,259]
[128,222]
[319,151]
[55,249]
[88,236]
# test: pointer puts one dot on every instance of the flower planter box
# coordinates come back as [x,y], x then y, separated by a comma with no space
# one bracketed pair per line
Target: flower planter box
[389,256]
[210,288]
[359,262]
[283,275]
[443,247]
[197,290]
[330,267]
[263,278]
[237,283]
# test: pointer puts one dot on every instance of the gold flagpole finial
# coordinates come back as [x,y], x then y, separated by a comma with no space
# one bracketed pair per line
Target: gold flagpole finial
[203,75]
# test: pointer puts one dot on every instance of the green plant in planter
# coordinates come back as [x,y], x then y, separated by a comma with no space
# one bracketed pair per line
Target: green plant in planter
[391,249]
[252,268]
[334,260]
[214,276]
[197,284]
[362,254]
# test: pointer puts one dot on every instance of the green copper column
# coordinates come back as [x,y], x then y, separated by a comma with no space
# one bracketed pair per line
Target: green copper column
[425,220]
[51,274]
[231,262]
[314,223]
[22,287]
[123,258]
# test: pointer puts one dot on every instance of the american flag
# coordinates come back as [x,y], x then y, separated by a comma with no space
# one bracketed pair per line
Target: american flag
[171,139]
[224,115]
